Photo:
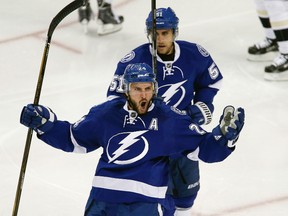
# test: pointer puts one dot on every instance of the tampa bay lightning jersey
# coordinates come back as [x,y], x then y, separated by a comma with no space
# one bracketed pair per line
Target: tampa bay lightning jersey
[134,163]
[191,76]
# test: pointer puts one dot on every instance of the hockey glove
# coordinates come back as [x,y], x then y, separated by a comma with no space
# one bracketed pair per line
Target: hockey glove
[200,113]
[230,124]
[39,118]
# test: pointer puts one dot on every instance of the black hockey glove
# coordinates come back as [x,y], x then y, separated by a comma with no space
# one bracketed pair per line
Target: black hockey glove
[230,124]
[200,113]
[39,118]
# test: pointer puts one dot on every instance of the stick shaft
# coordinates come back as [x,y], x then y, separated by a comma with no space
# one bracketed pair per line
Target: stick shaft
[57,19]
[154,37]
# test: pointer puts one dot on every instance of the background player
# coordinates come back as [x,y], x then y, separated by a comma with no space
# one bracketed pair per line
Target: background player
[136,135]
[107,21]
[188,79]
[273,16]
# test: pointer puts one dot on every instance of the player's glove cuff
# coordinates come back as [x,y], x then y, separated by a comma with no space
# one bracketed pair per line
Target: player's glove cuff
[200,113]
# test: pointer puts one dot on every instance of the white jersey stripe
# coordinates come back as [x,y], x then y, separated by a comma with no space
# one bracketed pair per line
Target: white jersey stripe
[129,186]
[77,147]
[217,85]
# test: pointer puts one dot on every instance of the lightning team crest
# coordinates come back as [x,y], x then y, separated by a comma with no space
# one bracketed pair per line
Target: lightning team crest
[127,147]
[173,94]
[128,57]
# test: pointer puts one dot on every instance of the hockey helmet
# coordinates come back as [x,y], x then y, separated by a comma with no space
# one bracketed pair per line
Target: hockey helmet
[165,19]
[138,72]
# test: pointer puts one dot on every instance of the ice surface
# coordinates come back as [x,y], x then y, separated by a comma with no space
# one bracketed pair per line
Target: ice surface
[252,182]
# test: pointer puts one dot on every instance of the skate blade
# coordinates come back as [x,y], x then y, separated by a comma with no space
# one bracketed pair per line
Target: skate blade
[108,28]
[279,76]
[268,57]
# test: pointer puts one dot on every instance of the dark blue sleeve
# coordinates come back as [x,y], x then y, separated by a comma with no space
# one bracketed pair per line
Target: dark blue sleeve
[59,136]
[206,86]
[212,150]
[116,86]
[190,136]
[80,137]
[209,80]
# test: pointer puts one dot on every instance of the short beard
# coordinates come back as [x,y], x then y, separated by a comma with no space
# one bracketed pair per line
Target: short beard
[134,107]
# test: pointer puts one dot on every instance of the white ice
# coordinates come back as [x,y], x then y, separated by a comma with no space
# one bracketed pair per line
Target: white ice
[253,181]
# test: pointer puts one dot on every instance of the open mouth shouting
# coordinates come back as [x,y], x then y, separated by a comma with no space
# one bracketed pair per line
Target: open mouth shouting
[143,106]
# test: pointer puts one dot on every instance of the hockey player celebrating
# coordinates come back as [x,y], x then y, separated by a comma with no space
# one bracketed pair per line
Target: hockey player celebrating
[188,79]
[137,134]
[107,21]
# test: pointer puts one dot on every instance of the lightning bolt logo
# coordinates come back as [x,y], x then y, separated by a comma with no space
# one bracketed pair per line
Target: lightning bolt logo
[131,139]
[172,90]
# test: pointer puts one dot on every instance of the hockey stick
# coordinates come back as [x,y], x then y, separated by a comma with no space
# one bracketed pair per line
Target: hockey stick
[56,20]
[154,37]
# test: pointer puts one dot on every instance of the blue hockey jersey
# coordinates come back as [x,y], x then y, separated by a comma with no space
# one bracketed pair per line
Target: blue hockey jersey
[134,163]
[191,76]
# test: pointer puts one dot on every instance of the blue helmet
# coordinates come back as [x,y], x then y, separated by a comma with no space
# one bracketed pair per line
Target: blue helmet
[165,19]
[138,72]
